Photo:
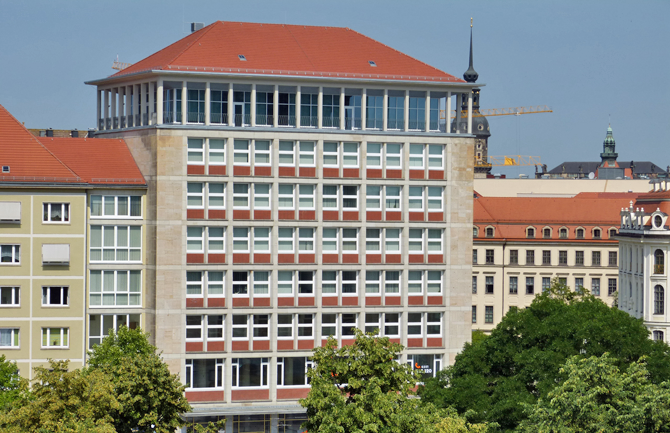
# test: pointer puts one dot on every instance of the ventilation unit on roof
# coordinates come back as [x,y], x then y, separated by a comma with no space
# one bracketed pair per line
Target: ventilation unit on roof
[241,57]
[5,169]
[196,26]
[372,63]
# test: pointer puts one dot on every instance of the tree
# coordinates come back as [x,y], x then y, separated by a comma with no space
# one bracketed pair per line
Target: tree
[598,397]
[150,397]
[12,385]
[520,361]
[63,401]
[362,388]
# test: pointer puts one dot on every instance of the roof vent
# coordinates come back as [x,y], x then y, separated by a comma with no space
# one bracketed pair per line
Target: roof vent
[372,63]
[196,26]
[50,132]
[5,169]
[241,57]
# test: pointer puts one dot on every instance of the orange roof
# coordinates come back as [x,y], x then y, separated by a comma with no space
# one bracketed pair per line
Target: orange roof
[63,160]
[279,49]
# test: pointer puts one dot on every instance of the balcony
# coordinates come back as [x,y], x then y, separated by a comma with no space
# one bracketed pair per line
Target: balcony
[354,123]
[195,117]
[331,122]
[396,124]
[372,123]
[309,121]
[283,120]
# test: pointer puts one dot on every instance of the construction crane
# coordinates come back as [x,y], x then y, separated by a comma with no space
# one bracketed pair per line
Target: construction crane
[512,111]
[119,66]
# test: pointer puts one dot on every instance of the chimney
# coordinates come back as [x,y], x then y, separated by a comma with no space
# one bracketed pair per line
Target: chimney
[50,132]
[74,133]
[196,26]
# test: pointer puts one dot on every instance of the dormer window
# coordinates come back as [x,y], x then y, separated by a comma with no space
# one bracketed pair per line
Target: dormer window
[475,232]
[596,233]
[546,233]
[489,232]
[579,233]
[372,63]
[612,233]
[241,57]
[563,233]
[5,169]
[530,232]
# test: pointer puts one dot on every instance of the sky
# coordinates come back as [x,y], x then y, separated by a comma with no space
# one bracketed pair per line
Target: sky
[592,63]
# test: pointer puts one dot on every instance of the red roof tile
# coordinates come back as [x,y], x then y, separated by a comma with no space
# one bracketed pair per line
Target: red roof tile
[63,160]
[280,49]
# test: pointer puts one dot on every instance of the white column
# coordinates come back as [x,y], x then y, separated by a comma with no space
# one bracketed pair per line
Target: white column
[253,105]
[298,93]
[122,105]
[406,110]
[130,108]
[184,104]
[108,94]
[275,107]
[448,115]
[427,111]
[364,106]
[143,107]
[138,103]
[207,102]
[385,106]
[470,112]
[114,96]
[159,102]
[342,115]
[231,110]
[459,104]
[99,107]
[319,107]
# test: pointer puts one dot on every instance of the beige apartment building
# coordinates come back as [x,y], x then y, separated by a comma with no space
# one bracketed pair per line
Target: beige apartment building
[47,190]
[521,243]
[297,192]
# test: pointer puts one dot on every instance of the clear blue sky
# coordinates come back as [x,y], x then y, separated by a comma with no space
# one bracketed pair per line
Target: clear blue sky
[589,61]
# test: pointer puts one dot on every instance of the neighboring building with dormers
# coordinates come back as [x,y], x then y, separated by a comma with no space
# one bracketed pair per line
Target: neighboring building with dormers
[53,251]
[301,184]
[522,243]
[644,245]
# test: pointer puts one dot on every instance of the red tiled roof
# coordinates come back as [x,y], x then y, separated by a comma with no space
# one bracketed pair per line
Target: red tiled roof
[280,49]
[63,160]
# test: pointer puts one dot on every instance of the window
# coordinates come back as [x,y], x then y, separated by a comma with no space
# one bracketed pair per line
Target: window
[372,281]
[329,325]
[562,258]
[579,258]
[489,232]
[56,212]
[414,325]
[218,105]
[530,232]
[195,196]
[489,285]
[658,336]
[241,195]
[306,326]
[330,117]
[261,283]
[9,337]
[261,197]
[309,109]
[546,233]
[415,199]
[373,322]
[349,241]
[55,296]
[372,240]
[426,365]
[612,233]
[249,372]
[349,197]
[306,240]
[306,197]
[349,283]
[293,371]
[474,257]
[285,242]
[196,155]
[116,244]
[396,112]
[434,282]
[240,284]
[579,283]
[513,257]
[262,153]
[474,314]
[530,257]
[285,197]
[111,288]
[417,113]
[595,258]
[286,109]
[264,108]
[435,157]
[414,282]
[595,286]
[373,197]
[211,326]
[563,281]
[394,156]
[391,324]
[416,152]
[513,285]
[474,284]
[349,324]
[530,285]
[350,155]
[659,300]
[55,338]
[392,241]
[10,253]
[261,239]
[204,373]
[306,154]
[435,194]
[475,232]
[240,326]
[546,257]
[579,233]
[329,240]
[433,324]
[611,286]
[375,111]
[111,206]
[285,326]
[215,240]
[217,152]
[392,198]
[374,155]
[416,241]
[613,258]
[9,296]
[488,314]
[331,154]
[240,239]
[490,259]
[305,282]
[195,104]
[546,284]
[563,233]
[195,239]
[286,153]
[596,233]
[285,283]
[659,262]
[241,152]
[329,197]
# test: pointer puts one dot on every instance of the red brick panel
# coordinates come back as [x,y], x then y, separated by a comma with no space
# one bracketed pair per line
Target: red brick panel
[240,302]
[394,340]
[331,172]
[306,258]
[291,393]
[435,258]
[260,301]
[329,301]
[284,344]
[305,301]
[348,342]
[216,302]
[307,171]
[262,171]
[239,214]
[436,174]
[415,300]
[195,214]
[262,345]
[350,172]
[350,300]
[416,216]
[373,215]
[194,302]
[250,394]
[416,174]
[195,258]
[285,301]
[350,215]
[286,171]
[217,170]
[392,300]
[195,169]
[374,173]
[201,396]
[286,258]
[194,346]
[307,215]
[434,342]
[216,346]
[305,344]
[373,258]
[373,300]
[435,300]
[240,345]
[286,214]
[414,342]
[435,216]
[262,214]
[393,258]
[216,214]
[393,174]
[330,258]
[216,258]
[416,258]
[241,170]
[241,257]
[349,258]
[331,215]
[393,216]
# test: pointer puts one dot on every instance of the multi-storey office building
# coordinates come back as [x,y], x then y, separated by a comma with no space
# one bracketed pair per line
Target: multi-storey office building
[643,270]
[301,185]
[51,192]
[522,243]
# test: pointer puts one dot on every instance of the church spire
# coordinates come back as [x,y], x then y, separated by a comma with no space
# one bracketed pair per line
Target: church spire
[471,75]
[609,155]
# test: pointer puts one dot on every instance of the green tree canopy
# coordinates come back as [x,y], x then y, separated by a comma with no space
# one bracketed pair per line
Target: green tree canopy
[520,361]
[65,402]
[598,397]
[12,386]
[150,397]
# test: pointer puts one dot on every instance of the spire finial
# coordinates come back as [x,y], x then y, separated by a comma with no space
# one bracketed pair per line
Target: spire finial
[471,75]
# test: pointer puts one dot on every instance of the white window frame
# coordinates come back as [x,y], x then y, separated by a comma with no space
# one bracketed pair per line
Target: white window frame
[199,326]
[264,153]
[301,282]
[311,154]
[431,282]
[195,151]
[286,285]
[373,240]
[414,199]
[342,283]
[373,281]
[265,196]
[216,195]
[219,368]
[330,197]
[329,282]
[102,201]
[64,296]
[114,277]
[212,238]
[283,240]
[311,324]
[414,284]
[392,285]
[282,194]
[14,296]
[349,197]
[245,326]
[371,324]
[437,241]
[374,156]
[195,191]
[413,241]
[262,240]
[195,239]
[307,240]
[394,156]
[246,195]
[334,325]
[304,195]
[284,152]
[241,240]
[14,337]
[63,337]
[116,247]
[331,240]
[264,377]
[261,287]
[14,251]
[397,198]
[434,323]
[47,215]
[285,326]
[349,332]
[212,284]
[214,153]
[397,324]
[241,150]
[239,283]
[261,326]
[348,241]
[212,326]
[415,324]
[373,197]
[395,240]
[435,199]
[438,158]
[328,152]
[348,154]
[417,153]
[192,285]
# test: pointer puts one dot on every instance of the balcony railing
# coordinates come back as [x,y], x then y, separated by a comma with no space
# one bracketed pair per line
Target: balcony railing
[396,124]
[242,119]
[331,122]
[218,118]
[659,269]
[115,122]
[352,123]
[309,121]
[286,120]
[172,117]
[417,125]
[374,123]
[264,119]
[195,117]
